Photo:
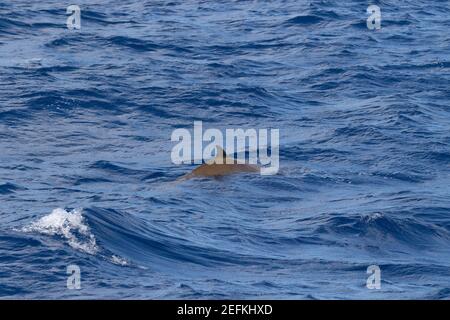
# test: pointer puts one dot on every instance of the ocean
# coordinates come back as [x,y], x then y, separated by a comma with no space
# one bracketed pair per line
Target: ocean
[91,205]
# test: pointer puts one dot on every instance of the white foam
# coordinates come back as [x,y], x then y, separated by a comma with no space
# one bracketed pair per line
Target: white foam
[69,225]
[373,217]
[118,260]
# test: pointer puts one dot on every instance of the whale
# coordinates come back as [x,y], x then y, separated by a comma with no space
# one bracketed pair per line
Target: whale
[219,166]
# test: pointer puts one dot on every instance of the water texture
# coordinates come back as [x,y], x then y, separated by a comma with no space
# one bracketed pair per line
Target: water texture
[86,177]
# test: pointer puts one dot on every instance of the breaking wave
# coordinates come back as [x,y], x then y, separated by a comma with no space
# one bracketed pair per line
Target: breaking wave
[70,225]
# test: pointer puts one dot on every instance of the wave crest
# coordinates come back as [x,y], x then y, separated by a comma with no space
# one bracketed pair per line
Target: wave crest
[69,225]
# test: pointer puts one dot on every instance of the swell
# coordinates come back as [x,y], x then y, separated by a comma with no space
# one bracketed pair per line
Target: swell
[126,240]
[8,188]
[145,244]
[384,230]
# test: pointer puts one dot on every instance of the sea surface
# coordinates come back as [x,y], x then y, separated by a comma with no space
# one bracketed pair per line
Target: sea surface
[86,176]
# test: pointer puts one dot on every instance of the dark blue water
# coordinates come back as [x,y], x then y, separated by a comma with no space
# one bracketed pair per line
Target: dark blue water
[86,176]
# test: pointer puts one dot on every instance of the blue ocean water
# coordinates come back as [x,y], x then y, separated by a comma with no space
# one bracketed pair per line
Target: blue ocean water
[86,177]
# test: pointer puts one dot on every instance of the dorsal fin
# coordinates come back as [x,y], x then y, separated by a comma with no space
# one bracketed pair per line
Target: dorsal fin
[220,158]
[220,152]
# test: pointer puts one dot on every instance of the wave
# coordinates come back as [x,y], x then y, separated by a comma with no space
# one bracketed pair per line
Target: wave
[70,225]
[134,43]
[11,26]
[126,240]
[8,188]
[304,20]
[73,228]
[147,245]
[381,229]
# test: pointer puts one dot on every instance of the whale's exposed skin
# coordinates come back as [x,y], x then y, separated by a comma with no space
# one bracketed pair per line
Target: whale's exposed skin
[221,165]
